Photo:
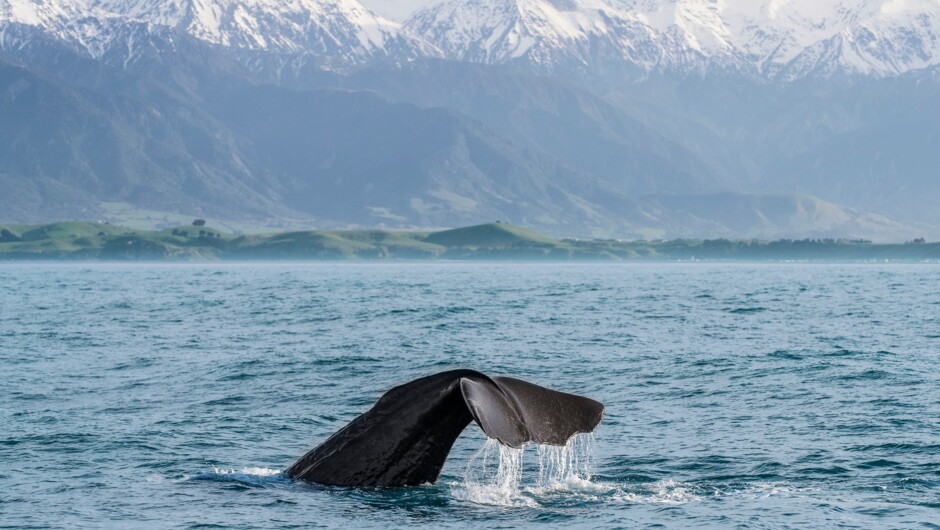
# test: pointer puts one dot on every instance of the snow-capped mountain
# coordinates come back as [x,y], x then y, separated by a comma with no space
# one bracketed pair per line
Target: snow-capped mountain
[338,32]
[783,39]
[71,22]
[343,28]
[793,38]
[778,38]
[541,32]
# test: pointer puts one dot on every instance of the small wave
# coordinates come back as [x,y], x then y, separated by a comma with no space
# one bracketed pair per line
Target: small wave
[747,310]
[230,400]
[873,374]
[403,311]
[879,463]
[897,448]
[672,493]
[763,490]
[254,471]
[245,478]
[788,355]
[842,352]
[577,491]
[824,471]
[667,492]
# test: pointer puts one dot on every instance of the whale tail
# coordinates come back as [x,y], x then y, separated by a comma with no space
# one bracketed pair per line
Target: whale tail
[404,439]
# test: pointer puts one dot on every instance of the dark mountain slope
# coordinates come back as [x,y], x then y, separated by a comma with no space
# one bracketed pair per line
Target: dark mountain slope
[89,147]
[196,131]
[865,142]
[558,117]
[343,158]
[356,158]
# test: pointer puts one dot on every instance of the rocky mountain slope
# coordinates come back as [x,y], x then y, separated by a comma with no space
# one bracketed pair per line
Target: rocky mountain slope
[579,117]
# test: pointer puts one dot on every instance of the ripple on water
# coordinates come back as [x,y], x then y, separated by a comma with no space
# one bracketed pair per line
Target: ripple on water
[801,396]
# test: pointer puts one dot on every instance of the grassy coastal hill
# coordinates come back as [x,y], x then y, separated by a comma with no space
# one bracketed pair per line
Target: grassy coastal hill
[94,241]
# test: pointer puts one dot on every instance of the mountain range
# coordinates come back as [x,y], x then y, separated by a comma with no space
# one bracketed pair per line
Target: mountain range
[781,39]
[614,118]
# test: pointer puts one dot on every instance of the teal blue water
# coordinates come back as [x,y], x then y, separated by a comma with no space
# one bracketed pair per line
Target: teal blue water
[750,396]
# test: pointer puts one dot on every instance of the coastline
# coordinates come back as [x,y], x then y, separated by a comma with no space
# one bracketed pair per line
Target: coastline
[81,241]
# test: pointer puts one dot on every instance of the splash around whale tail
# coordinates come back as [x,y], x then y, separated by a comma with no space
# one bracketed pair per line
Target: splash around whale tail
[404,439]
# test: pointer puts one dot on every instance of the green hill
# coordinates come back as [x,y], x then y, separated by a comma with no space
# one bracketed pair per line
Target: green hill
[496,241]
[493,235]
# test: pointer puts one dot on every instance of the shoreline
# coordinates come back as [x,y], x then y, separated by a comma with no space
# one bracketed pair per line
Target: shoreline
[495,242]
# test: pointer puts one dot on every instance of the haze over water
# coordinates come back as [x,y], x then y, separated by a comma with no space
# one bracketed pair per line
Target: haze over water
[139,395]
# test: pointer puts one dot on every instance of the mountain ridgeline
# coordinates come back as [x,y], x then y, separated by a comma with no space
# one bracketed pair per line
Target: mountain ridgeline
[592,119]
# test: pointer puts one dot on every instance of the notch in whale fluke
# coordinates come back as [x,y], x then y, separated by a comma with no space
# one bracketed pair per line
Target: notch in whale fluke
[404,439]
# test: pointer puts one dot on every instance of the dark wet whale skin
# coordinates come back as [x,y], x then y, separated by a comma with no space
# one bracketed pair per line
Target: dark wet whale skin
[404,439]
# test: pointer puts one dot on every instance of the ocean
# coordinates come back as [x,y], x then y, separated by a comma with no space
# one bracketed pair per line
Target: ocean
[737,395]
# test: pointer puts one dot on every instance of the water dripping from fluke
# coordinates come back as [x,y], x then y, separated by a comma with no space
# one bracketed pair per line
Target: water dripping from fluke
[560,467]
[498,475]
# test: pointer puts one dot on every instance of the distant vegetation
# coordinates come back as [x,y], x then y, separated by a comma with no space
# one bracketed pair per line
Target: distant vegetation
[93,241]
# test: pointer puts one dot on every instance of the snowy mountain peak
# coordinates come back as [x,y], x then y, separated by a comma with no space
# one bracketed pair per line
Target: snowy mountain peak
[341,32]
[73,22]
[541,31]
[39,12]
[779,38]
[795,37]
[282,25]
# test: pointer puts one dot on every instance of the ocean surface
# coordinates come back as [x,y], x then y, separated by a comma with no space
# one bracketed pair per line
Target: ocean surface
[738,396]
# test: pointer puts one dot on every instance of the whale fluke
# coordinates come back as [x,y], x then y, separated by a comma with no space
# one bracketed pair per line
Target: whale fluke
[404,439]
